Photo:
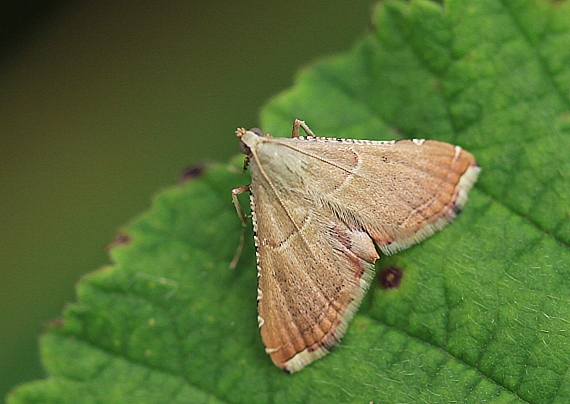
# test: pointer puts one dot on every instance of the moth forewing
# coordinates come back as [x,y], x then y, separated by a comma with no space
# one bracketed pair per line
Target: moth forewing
[318,207]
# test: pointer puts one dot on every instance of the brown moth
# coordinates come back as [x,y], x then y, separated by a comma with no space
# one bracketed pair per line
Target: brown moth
[319,206]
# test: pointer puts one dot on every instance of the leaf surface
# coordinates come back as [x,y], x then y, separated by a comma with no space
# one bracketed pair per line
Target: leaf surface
[482,313]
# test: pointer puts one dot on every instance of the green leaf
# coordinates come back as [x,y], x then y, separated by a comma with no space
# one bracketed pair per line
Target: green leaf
[483,310]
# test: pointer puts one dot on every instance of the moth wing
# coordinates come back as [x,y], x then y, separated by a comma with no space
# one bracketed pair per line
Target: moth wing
[312,274]
[317,205]
[398,192]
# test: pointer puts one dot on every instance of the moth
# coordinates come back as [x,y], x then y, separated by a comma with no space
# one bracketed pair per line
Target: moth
[321,209]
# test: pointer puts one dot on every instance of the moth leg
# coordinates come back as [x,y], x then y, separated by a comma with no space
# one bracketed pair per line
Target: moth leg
[235,192]
[242,216]
[297,124]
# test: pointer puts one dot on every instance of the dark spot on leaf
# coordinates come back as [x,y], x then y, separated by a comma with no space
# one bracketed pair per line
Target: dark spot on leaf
[57,323]
[390,277]
[120,239]
[191,172]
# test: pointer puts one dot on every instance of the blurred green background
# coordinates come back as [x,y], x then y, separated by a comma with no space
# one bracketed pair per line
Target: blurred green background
[102,103]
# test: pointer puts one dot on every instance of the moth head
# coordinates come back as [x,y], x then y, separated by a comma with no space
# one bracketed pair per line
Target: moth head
[247,138]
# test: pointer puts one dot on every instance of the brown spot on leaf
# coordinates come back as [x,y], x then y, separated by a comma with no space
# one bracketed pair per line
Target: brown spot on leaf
[390,277]
[120,239]
[58,322]
[54,324]
[191,172]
